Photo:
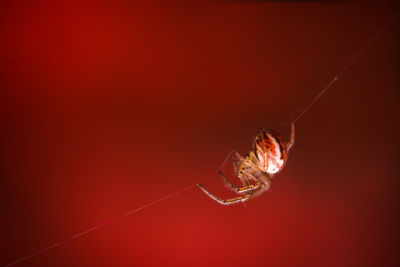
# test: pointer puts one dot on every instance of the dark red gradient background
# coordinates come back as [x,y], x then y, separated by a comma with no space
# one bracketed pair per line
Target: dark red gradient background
[107,106]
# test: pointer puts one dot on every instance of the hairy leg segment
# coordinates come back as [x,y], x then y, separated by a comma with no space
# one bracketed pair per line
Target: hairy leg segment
[247,187]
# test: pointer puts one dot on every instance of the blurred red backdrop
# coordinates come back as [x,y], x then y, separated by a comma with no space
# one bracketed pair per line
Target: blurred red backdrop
[107,106]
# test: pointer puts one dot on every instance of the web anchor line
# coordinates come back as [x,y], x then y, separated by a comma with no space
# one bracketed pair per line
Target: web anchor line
[100,225]
[343,70]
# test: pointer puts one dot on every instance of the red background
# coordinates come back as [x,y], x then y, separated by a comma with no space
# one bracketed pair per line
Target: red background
[107,106]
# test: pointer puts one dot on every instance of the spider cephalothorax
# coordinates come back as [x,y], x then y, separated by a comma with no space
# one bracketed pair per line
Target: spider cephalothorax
[255,170]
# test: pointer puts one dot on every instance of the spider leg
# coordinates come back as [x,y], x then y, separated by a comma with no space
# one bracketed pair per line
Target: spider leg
[244,189]
[292,135]
[225,201]
[229,155]
[226,181]
[236,189]
[249,187]
[236,167]
[245,181]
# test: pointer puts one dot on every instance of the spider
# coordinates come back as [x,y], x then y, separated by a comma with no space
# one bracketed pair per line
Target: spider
[268,157]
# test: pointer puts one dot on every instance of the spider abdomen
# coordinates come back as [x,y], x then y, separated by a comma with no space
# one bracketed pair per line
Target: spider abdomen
[270,150]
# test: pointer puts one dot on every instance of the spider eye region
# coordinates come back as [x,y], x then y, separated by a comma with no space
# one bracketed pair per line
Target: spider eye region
[270,149]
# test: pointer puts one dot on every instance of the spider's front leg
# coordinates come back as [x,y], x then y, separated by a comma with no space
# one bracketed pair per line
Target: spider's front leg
[226,201]
[234,188]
